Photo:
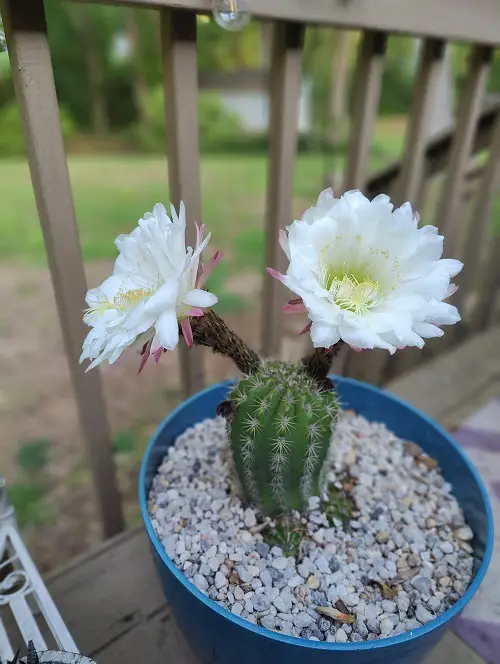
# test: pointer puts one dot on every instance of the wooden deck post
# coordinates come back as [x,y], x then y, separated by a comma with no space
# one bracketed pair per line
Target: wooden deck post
[367,84]
[180,73]
[285,86]
[29,54]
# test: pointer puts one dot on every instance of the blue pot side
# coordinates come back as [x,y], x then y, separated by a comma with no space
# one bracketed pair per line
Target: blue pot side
[219,637]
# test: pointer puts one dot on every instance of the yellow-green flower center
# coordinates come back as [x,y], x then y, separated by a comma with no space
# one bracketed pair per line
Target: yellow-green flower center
[126,299]
[354,295]
[352,288]
[123,300]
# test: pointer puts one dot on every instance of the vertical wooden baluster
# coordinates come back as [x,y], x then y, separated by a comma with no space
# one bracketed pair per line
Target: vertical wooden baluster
[475,244]
[448,216]
[180,74]
[29,54]
[485,309]
[409,185]
[367,82]
[430,64]
[285,90]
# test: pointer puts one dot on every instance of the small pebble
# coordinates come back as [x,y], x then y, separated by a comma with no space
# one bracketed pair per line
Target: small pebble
[372,611]
[340,636]
[250,520]
[386,627]
[280,563]
[237,608]
[200,582]
[388,606]
[312,582]
[382,537]
[422,615]
[220,580]
[269,622]
[302,620]
[261,602]
[446,547]
[422,584]
[465,533]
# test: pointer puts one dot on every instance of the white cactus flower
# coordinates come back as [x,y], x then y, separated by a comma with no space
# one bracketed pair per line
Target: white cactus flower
[366,274]
[155,286]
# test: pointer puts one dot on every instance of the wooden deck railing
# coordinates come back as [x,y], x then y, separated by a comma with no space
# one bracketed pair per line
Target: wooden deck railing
[477,127]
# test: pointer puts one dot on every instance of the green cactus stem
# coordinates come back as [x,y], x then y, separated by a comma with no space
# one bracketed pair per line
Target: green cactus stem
[280,431]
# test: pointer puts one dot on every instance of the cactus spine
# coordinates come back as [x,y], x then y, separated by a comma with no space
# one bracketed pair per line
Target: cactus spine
[280,432]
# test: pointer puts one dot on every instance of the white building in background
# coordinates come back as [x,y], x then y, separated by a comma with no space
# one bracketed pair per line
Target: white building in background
[246,93]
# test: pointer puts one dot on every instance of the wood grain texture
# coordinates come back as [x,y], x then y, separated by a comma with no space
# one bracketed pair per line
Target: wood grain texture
[367,82]
[475,245]
[449,216]
[437,151]
[408,187]
[180,74]
[35,92]
[488,292]
[285,85]
[417,136]
[460,20]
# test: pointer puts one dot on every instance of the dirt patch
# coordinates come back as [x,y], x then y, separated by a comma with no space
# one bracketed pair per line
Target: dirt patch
[36,402]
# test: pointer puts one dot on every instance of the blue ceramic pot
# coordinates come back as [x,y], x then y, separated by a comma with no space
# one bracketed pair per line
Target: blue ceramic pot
[219,637]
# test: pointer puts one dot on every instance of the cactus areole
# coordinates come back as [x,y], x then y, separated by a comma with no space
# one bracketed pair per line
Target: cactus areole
[280,431]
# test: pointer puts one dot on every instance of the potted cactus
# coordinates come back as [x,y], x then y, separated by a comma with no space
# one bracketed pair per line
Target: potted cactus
[294,515]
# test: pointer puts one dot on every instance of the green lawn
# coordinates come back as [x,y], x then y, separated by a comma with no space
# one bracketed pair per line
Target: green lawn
[112,192]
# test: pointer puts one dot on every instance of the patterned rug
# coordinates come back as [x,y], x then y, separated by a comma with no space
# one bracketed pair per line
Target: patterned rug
[479,625]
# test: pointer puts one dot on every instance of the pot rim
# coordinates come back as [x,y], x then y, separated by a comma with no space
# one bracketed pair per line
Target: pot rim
[406,637]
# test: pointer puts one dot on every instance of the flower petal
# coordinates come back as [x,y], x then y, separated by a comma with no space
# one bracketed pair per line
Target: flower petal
[167,331]
[196,312]
[324,335]
[187,332]
[199,298]
[165,297]
[208,269]
[452,266]
[275,274]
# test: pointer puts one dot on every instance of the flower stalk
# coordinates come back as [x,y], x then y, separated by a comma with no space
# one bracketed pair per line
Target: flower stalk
[319,363]
[211,331]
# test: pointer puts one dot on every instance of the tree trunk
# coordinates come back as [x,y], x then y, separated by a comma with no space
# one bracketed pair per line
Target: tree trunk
[100,120]
[139,84]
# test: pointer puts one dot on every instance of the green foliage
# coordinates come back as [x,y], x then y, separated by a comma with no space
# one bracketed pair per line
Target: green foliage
[220,50]
[124,442]
[398,76]
[11,138]
[230,303]
[249,248]
[340,505]
[27,500]
[2,36]
[33,455]
[280,435]
[288,536]
[217,126]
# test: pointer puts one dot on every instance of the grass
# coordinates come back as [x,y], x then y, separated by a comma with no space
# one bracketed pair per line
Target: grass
[112,192]
[27,500]
[33,455]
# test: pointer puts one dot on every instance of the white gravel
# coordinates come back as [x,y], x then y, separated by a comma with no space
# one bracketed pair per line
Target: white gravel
[409,533]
